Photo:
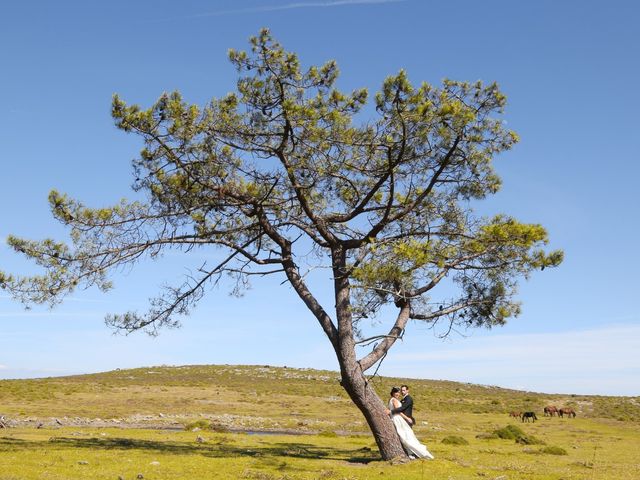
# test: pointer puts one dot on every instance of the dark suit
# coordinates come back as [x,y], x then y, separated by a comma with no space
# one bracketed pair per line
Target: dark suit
[406,408]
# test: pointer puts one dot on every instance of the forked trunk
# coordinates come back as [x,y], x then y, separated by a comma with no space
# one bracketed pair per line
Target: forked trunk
[373,409]
[353,379]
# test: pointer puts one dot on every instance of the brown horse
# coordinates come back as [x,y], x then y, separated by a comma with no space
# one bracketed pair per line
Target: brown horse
[529,416]
[550,411]
[515,414]
[569,412]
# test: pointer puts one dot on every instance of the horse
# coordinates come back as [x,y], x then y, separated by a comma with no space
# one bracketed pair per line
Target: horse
[550,411]
[515,414]
[529,416]
[569,412]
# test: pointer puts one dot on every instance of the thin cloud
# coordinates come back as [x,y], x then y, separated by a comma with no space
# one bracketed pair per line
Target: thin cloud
[32,314]
[69,299]
[288,6]
[605,345]
[594,361]
[22,373]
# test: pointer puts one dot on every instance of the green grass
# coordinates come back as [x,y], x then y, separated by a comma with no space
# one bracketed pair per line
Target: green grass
[601,443]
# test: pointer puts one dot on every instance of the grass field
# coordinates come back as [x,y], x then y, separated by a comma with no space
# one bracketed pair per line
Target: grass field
[132,422]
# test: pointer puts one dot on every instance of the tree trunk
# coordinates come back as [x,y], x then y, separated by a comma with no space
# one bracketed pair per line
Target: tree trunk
[353,378]
[373,409]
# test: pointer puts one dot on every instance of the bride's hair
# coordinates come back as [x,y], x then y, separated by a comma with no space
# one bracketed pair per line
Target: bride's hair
[394,390]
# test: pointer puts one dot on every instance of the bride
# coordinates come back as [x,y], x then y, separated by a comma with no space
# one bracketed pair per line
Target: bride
[407,437]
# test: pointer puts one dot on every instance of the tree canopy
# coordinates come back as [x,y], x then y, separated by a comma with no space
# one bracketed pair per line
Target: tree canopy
[285,159]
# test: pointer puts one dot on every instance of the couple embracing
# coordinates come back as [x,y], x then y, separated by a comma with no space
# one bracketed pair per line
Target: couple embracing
[401,411]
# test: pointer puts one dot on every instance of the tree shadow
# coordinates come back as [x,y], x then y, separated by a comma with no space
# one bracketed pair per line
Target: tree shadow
[212,450]
[11,441]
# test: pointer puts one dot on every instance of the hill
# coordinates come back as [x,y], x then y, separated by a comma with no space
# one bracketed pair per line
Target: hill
[276,423]
[261,398]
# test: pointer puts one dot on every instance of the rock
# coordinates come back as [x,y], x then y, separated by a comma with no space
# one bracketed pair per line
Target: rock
[139,476]
[200,439]
[155,463]
[83,462]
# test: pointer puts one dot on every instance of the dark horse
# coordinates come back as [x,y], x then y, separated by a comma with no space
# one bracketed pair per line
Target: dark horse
[529,416]
[550,411]
[569,412]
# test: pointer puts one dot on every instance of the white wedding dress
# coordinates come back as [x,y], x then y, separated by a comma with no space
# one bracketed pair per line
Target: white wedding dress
[407,437]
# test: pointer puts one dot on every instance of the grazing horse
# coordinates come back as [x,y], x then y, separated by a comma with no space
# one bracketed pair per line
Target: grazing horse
[569,412]
[550,411]
[529,416]
[515,414]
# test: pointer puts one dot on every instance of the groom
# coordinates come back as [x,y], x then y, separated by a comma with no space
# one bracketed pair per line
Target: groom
[406,406]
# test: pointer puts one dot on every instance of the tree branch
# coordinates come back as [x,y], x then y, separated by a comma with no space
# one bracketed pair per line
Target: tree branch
[383,347]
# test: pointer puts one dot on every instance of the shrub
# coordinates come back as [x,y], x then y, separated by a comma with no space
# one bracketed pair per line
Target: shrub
[454,440]
[510,432]
[554,450]
[529,440]
[201,424]
[216,427]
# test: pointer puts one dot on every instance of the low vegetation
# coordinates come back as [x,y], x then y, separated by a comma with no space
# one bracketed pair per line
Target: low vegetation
[510,432]
[554,450]
[454,440]
[262,422]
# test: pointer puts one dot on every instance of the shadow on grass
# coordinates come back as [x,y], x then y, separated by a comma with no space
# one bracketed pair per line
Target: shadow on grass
[212,450]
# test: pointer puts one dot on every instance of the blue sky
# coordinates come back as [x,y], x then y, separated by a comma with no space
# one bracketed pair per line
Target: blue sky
[570,70]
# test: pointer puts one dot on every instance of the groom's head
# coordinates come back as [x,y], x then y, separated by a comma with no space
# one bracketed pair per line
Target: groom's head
[404,390]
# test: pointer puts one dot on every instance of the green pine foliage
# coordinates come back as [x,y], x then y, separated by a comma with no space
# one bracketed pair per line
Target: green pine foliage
[286,157]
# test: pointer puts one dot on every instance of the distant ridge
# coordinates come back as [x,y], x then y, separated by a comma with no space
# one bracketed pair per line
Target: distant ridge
[263,396]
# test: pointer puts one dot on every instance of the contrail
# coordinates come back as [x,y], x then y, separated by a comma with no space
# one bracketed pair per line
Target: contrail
[288,6]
